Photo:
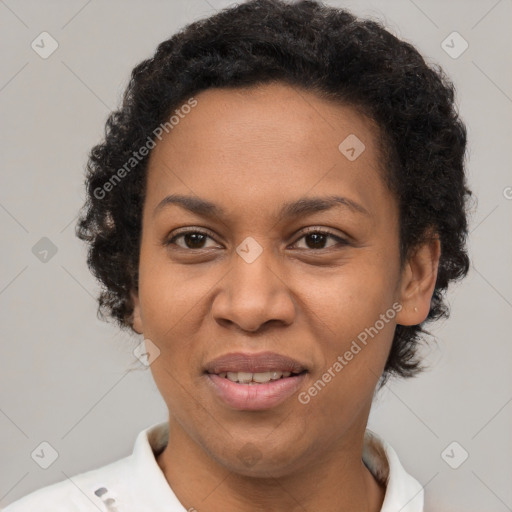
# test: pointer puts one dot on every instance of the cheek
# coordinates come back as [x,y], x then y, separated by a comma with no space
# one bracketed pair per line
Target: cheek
[354,314]
[354,350]
[168,291]
[353,296]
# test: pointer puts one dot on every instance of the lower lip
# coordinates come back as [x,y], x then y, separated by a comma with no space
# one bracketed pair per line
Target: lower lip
[255,397]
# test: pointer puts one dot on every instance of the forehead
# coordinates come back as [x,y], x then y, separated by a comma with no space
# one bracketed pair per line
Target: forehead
[274,115]
[244,145]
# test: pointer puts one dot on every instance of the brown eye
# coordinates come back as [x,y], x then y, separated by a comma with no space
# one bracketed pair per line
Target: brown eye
[316,239]
[192,239]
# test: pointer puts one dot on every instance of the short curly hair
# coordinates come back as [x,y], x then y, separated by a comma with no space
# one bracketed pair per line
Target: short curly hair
[319,48]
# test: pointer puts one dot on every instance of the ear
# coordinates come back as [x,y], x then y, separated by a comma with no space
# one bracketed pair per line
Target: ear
[418,282]
[136,315]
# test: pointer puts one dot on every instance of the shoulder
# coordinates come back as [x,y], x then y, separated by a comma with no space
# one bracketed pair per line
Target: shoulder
[89,491]
[132,484]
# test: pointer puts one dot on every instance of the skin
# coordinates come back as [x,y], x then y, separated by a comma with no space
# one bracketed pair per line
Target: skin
[249,151]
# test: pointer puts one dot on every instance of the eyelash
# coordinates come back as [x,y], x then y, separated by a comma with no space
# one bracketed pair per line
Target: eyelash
[339,240]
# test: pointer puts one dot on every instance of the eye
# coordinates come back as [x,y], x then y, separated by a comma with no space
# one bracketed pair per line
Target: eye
[193,239]
[317,238]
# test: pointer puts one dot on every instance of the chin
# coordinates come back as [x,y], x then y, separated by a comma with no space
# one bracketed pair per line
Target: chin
[260,461]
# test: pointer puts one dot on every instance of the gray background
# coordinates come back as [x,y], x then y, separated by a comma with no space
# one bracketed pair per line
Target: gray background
[65,375]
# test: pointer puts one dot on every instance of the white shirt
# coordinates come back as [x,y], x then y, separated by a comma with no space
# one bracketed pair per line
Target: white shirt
[137,484]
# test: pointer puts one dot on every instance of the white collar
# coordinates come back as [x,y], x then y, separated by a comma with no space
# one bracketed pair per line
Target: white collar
[403,492]
[136,483]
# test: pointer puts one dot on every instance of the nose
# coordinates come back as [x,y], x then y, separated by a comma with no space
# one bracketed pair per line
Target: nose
[254,294]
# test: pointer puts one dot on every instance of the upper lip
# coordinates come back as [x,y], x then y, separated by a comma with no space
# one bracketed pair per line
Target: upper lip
[254,363]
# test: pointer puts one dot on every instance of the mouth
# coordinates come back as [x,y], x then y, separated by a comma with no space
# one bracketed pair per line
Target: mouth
[254,382]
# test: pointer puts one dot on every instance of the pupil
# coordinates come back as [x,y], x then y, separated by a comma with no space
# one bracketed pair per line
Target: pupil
[198,237]
[319,240]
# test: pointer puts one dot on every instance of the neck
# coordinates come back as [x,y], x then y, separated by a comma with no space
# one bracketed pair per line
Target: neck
[338,481]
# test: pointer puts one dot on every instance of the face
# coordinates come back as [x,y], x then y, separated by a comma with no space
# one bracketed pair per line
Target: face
[250,278]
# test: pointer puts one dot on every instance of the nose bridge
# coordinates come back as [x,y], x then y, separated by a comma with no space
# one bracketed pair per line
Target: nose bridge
[254,292]
[253,267]
[253,277]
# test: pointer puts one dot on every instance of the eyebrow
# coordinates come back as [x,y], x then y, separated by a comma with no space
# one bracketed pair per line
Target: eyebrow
[299,208]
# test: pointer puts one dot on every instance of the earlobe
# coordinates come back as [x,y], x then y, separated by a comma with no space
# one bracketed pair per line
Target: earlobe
[136,316]
[418,282]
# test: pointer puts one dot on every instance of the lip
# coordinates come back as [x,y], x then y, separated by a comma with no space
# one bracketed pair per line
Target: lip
[257,396]
[254,397]
[254,363]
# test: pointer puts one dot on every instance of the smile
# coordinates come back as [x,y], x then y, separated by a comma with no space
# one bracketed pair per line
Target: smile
[252,395]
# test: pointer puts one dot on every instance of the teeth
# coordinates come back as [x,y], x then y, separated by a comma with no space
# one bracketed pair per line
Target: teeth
[242,377]
[254,378]
[262,377]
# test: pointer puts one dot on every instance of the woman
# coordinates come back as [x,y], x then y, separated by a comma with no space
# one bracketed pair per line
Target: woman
[277,208]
